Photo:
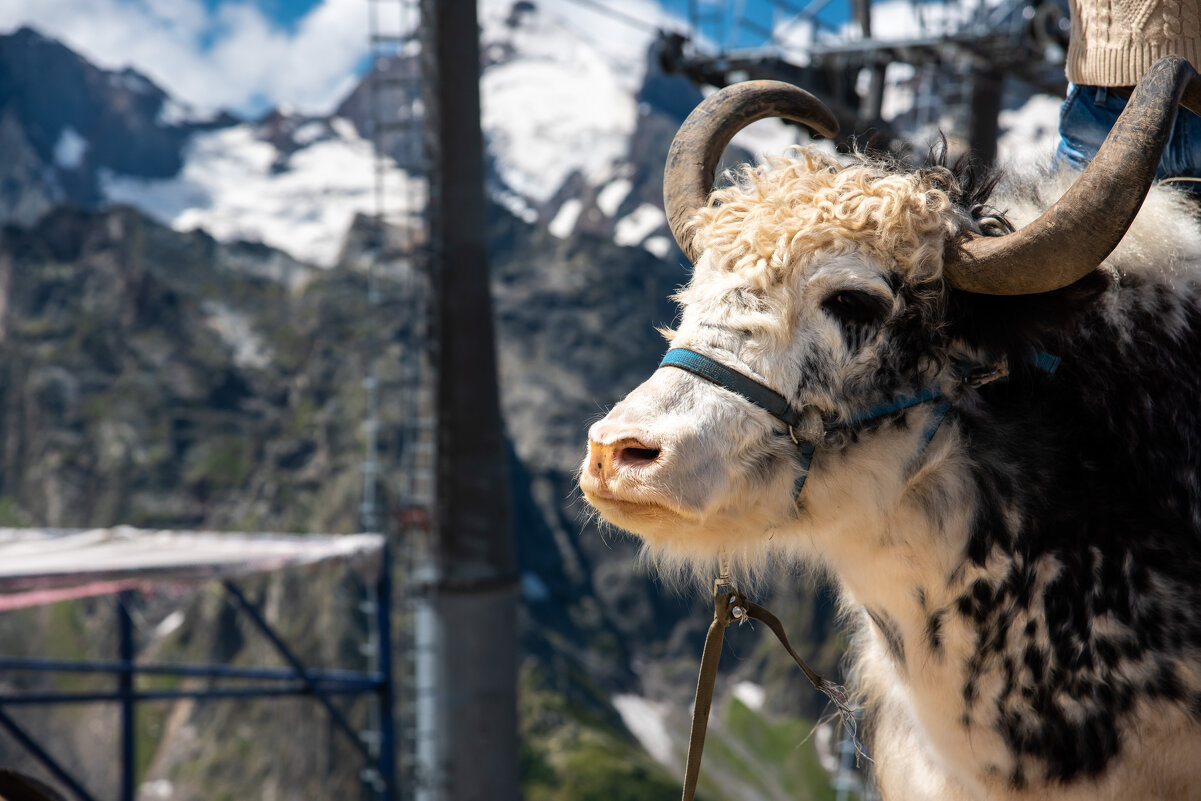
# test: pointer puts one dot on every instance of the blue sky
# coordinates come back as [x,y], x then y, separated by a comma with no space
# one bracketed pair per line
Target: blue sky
[742,24]
[287,13]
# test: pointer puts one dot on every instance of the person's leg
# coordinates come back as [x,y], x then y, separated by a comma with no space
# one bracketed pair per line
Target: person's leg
[1084,121]
[1181,162]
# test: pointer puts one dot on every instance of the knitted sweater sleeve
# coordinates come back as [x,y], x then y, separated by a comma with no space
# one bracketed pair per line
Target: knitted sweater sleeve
[1113,42]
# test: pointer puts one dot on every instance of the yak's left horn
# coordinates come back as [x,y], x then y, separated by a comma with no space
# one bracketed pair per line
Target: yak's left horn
[698,145]
[1078,232]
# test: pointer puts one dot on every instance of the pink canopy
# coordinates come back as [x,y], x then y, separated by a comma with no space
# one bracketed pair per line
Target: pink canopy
[47,565]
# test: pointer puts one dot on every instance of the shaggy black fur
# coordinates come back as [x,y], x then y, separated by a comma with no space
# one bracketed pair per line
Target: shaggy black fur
[1101,463]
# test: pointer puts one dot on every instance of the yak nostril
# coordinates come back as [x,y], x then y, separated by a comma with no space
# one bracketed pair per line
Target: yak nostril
[605,460]
[636,456]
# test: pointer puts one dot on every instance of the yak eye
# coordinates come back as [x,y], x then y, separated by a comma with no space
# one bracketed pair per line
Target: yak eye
[857,308]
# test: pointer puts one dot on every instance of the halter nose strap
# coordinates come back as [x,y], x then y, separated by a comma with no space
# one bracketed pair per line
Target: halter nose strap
[762,396]
[716,372]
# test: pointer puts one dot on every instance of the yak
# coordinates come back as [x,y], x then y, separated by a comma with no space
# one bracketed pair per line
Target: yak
[980,415]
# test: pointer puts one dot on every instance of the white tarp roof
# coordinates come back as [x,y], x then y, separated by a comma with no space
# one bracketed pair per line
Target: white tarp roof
[46,565]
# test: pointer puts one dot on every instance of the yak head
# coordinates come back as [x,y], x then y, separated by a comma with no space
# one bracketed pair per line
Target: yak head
[829,284]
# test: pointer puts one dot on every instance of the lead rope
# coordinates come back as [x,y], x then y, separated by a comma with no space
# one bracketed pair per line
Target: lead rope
[728,605]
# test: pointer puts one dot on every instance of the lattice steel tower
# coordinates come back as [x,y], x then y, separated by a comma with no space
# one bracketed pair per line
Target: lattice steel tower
[446,486]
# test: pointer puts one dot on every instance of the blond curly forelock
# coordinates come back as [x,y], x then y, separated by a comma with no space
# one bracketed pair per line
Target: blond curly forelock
[775,213]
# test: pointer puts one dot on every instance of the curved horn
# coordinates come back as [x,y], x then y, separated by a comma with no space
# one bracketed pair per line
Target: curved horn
[698,145]
[1072,238]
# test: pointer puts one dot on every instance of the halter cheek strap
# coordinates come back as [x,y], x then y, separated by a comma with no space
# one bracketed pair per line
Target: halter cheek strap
[782,409]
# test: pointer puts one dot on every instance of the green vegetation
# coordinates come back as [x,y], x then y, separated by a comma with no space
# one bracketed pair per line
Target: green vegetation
[11,515]
[783,745]
[571,751]
[222,462]
[611,772]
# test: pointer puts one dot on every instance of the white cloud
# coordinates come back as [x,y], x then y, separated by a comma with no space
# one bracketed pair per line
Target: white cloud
[231,57]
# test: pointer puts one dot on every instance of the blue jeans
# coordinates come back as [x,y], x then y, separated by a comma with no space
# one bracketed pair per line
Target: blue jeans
[1090,111]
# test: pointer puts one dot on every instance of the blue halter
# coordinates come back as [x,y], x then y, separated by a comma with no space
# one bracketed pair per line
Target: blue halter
[779,406]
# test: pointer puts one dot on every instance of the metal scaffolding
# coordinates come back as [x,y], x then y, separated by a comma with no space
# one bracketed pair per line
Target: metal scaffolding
[44,566]
[401,295]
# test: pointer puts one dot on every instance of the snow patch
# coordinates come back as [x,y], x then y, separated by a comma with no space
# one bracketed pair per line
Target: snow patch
[234,186]
[1029,134]
[897,20]
[235,331]
[345,128]
[560,99]
[899,94]
[70,148]
[647,721]
[308,133]
[638,225]
[546,121]
[565,219]
[598,27]
[157,789]
[169,624]
[609,199]
[771,136]
[659,246]
[173,114]
[750,694]
[826,745]
[128,79]
[517,206]
[795,36]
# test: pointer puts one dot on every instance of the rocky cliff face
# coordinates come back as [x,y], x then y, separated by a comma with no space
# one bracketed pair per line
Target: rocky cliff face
[64,122]
[151,378]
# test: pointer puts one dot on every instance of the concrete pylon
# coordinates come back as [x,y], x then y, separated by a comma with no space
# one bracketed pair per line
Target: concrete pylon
[474,603]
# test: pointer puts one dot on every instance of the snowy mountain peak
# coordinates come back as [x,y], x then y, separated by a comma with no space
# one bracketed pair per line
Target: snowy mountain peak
[555,102]
[576,109]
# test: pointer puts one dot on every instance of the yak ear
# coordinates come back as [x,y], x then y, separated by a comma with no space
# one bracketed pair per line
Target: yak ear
[1014,323]
[991,222]
[969,185]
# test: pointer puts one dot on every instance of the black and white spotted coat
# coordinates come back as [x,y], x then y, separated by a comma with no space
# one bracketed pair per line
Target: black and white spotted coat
[1056,649]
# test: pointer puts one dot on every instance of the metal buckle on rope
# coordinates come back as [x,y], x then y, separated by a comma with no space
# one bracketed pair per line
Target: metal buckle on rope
[722,583]
[730,604]
[723,586]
